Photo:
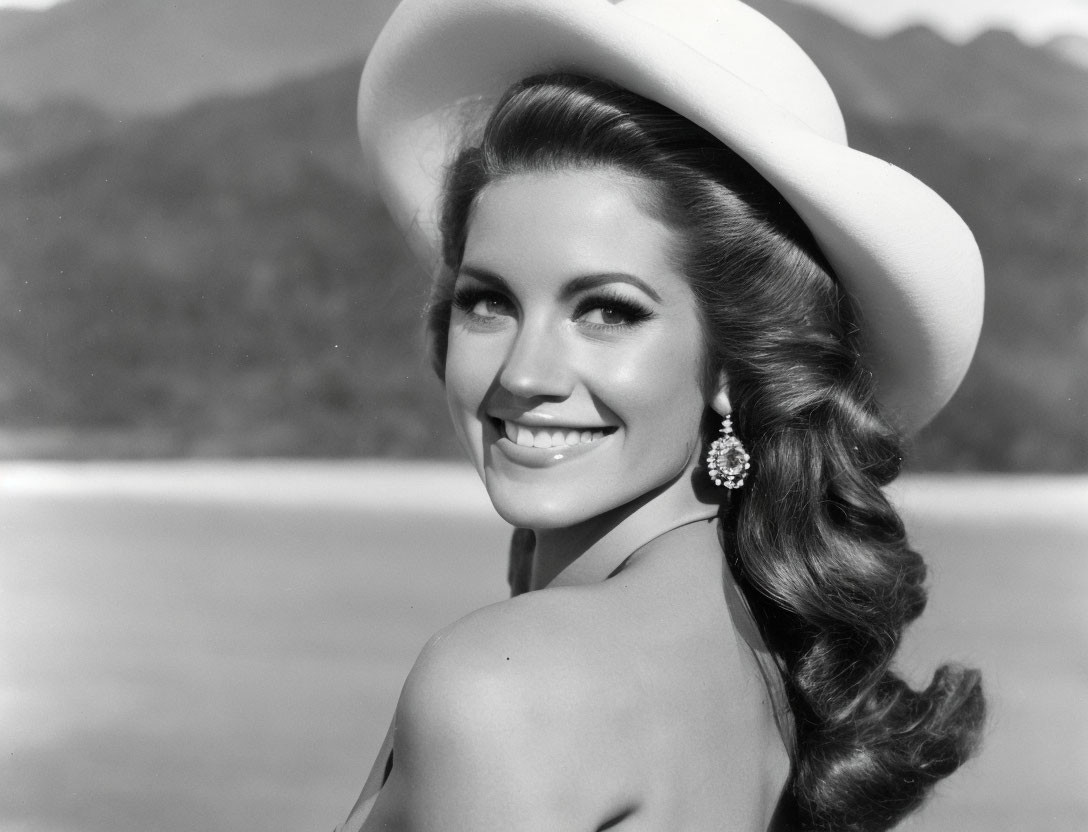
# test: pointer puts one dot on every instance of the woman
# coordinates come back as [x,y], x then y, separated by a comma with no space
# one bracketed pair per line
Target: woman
[682,329]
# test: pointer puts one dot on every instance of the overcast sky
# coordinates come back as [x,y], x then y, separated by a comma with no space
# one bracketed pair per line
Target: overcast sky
[1035,20]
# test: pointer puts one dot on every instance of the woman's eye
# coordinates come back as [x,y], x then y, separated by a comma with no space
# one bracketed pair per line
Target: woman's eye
[482,304]
[611,313]
[607,315]
[487,307]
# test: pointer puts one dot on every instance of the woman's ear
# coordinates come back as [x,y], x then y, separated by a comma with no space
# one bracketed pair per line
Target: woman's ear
[720,402]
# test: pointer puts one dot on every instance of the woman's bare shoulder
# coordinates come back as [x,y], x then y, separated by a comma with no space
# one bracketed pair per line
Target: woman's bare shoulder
[523,653]
[499,715]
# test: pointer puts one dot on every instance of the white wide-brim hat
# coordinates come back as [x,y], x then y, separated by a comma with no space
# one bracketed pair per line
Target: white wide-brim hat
[906,258]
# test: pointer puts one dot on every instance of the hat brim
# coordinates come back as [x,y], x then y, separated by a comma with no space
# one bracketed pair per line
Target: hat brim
[908,261]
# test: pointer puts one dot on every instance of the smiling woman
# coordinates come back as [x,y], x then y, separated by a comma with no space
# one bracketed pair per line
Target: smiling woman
[692,645]
[584,327]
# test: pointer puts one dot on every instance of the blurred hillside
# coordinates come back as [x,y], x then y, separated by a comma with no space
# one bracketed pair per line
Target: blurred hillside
[216,282]
[135,56]
[221,280]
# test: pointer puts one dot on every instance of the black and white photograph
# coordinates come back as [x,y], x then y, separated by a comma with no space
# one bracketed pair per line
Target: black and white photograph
[544,416]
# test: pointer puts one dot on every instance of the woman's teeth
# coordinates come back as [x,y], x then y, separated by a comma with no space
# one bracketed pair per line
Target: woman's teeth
[549,437]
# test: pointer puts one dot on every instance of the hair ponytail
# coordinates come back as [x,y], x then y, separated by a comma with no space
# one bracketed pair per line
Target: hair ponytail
[826,566]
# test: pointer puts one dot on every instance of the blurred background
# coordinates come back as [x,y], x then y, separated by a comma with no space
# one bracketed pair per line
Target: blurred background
[192,261]
[230,506]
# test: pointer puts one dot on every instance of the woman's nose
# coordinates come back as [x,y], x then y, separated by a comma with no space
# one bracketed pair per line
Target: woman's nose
[537,364]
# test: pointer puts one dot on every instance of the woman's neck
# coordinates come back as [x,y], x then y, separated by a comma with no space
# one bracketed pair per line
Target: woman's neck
[591,551]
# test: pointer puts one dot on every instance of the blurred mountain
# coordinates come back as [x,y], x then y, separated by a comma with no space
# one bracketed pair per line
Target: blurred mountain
[135,56]
[1073,48]
[40,131]
[995,84]
[222,280]
[215,282]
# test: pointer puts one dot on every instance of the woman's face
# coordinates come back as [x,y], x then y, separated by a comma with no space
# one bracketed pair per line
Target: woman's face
[574,365]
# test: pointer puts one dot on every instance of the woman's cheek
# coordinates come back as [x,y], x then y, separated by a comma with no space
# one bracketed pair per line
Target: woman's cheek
[468,378]
[658,386]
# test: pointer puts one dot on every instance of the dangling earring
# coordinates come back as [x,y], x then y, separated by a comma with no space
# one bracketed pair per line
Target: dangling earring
[727,462]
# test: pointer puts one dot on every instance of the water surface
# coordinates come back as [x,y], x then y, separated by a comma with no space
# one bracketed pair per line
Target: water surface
[219,646]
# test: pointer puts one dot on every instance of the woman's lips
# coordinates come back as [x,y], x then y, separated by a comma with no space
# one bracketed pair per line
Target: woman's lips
[554,436]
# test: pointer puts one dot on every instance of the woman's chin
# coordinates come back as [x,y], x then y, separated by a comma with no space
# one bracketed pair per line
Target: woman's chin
[528,512]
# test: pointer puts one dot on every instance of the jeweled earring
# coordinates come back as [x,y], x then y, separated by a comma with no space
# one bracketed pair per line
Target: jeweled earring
[727,462]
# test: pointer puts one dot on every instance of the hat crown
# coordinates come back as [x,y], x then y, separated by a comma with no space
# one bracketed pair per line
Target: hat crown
[907,260]
[738,39]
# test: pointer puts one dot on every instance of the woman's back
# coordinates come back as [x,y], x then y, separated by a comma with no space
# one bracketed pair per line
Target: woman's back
[635,703]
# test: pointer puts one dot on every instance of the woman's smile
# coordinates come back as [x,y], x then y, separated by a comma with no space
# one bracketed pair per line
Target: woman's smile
[574,365]
[536,446]
[559,437]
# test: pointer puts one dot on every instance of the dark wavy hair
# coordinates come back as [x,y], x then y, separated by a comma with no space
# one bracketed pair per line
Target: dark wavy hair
[815,546]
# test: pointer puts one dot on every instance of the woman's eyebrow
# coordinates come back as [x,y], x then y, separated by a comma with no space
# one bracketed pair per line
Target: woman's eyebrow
[593,281]
[484,276]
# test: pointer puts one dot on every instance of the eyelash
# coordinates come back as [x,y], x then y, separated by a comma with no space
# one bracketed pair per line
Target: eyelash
[633,312]
[466,299]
